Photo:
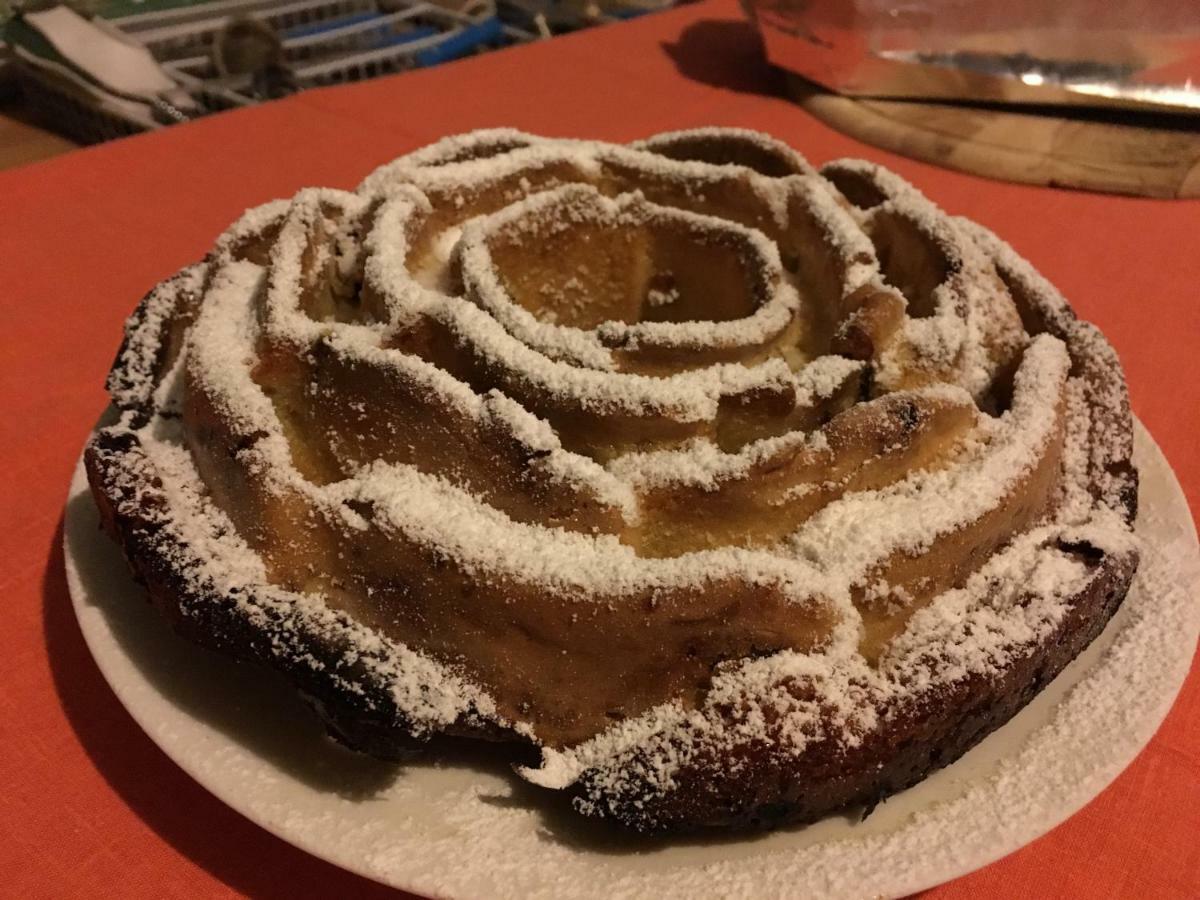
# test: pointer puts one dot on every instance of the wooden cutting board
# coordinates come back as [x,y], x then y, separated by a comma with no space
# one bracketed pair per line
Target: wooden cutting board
[1140,155]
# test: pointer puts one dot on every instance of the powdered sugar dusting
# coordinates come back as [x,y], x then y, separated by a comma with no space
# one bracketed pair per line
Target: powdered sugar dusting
[611,419]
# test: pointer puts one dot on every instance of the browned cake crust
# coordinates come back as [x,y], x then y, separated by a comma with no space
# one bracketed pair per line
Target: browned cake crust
[738,698]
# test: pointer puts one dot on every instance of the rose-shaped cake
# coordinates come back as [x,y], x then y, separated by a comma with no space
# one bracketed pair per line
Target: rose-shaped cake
[738,491]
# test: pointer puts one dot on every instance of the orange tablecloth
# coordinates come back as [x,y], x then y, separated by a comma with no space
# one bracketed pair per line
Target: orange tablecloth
[88,806]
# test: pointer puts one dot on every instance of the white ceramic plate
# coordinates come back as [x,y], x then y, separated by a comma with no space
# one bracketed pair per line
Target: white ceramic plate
[467,828]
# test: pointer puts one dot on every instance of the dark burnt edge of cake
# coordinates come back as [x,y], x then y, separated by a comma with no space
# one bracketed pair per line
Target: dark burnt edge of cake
[355,704]
[319,656]
[928,732]
[335,682]
[360,711]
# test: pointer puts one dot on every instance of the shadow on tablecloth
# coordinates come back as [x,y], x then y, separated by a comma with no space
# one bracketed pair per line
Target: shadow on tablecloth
[192,821]
[725,54]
